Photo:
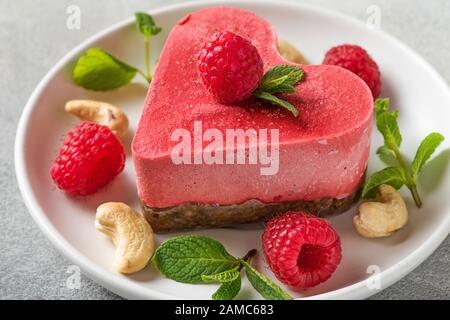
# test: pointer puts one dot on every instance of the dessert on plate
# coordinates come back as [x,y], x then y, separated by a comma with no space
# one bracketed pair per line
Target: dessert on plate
[322,153]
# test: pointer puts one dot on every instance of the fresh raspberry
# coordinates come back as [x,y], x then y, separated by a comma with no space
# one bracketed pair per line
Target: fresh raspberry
[90,157]
[358,61]
[302,250]
[230,67]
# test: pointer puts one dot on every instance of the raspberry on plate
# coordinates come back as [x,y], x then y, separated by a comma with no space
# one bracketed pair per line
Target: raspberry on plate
[357,60]
[230,67]
[302,250]
[90,157]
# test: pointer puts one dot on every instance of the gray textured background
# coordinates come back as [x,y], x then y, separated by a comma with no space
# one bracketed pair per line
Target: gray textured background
[33,36]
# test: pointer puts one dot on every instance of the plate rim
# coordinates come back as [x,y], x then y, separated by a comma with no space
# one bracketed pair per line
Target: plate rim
[115,282]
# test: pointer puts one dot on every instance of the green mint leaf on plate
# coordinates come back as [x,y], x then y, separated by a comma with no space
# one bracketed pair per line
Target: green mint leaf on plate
[228,290]
[387,156]
[263,285]
[385,151]
[388,127]
[393,176]
[278,75]
[147,27]
[188,258]
[400,172]
[270,98]
[98,70]
[200,259]
[395,113]
[225,276]
[146,24]
[425,151]
[381,106]
[279,79]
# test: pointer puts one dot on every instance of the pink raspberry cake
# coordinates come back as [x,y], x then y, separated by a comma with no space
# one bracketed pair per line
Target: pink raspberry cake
[323,152]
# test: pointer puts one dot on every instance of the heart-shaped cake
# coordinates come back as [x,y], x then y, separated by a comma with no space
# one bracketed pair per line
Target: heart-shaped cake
[203,163]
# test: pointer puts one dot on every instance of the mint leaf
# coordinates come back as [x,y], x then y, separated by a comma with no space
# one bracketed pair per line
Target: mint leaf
[270,98]
[388,127]
[278,75]
[279,79]
[395,113]
[387,123]
[393,176]
[385,151]
[282,88]
[100,71]
[188,258]
[147,27]
[381,105]
[225,276]
[228,290]
[425,150]
[146,24]
[387,155]
[196,259]
[263,285]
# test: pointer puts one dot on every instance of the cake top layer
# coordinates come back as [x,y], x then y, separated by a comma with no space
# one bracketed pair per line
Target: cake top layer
[331,100]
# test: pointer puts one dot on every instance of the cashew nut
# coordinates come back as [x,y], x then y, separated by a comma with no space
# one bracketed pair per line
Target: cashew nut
[383,217]
[101,112]
[289,52]
[130,232]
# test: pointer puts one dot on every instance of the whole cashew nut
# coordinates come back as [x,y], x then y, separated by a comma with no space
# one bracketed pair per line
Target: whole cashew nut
[100,112]
[289,52]
[130,232]
[383,217]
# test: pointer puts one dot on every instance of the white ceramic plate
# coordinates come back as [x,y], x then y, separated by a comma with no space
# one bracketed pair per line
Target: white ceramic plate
[415,88]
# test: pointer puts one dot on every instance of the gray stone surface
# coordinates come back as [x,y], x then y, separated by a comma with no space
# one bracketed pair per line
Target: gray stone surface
[33,36]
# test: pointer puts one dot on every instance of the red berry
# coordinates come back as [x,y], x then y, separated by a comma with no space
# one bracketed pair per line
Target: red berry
[90,157]
[302,250]
[230,67]
[358,61]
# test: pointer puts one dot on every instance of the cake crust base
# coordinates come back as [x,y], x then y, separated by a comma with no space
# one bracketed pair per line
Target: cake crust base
[197,215]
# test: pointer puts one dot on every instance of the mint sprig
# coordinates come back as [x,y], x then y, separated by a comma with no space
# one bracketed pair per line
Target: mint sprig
[147,27]
[200,259]
[279,79]
[402,173]
[99,70]
[189,258]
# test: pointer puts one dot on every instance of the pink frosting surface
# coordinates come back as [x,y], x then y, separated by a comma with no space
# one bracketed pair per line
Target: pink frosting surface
[323,152]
